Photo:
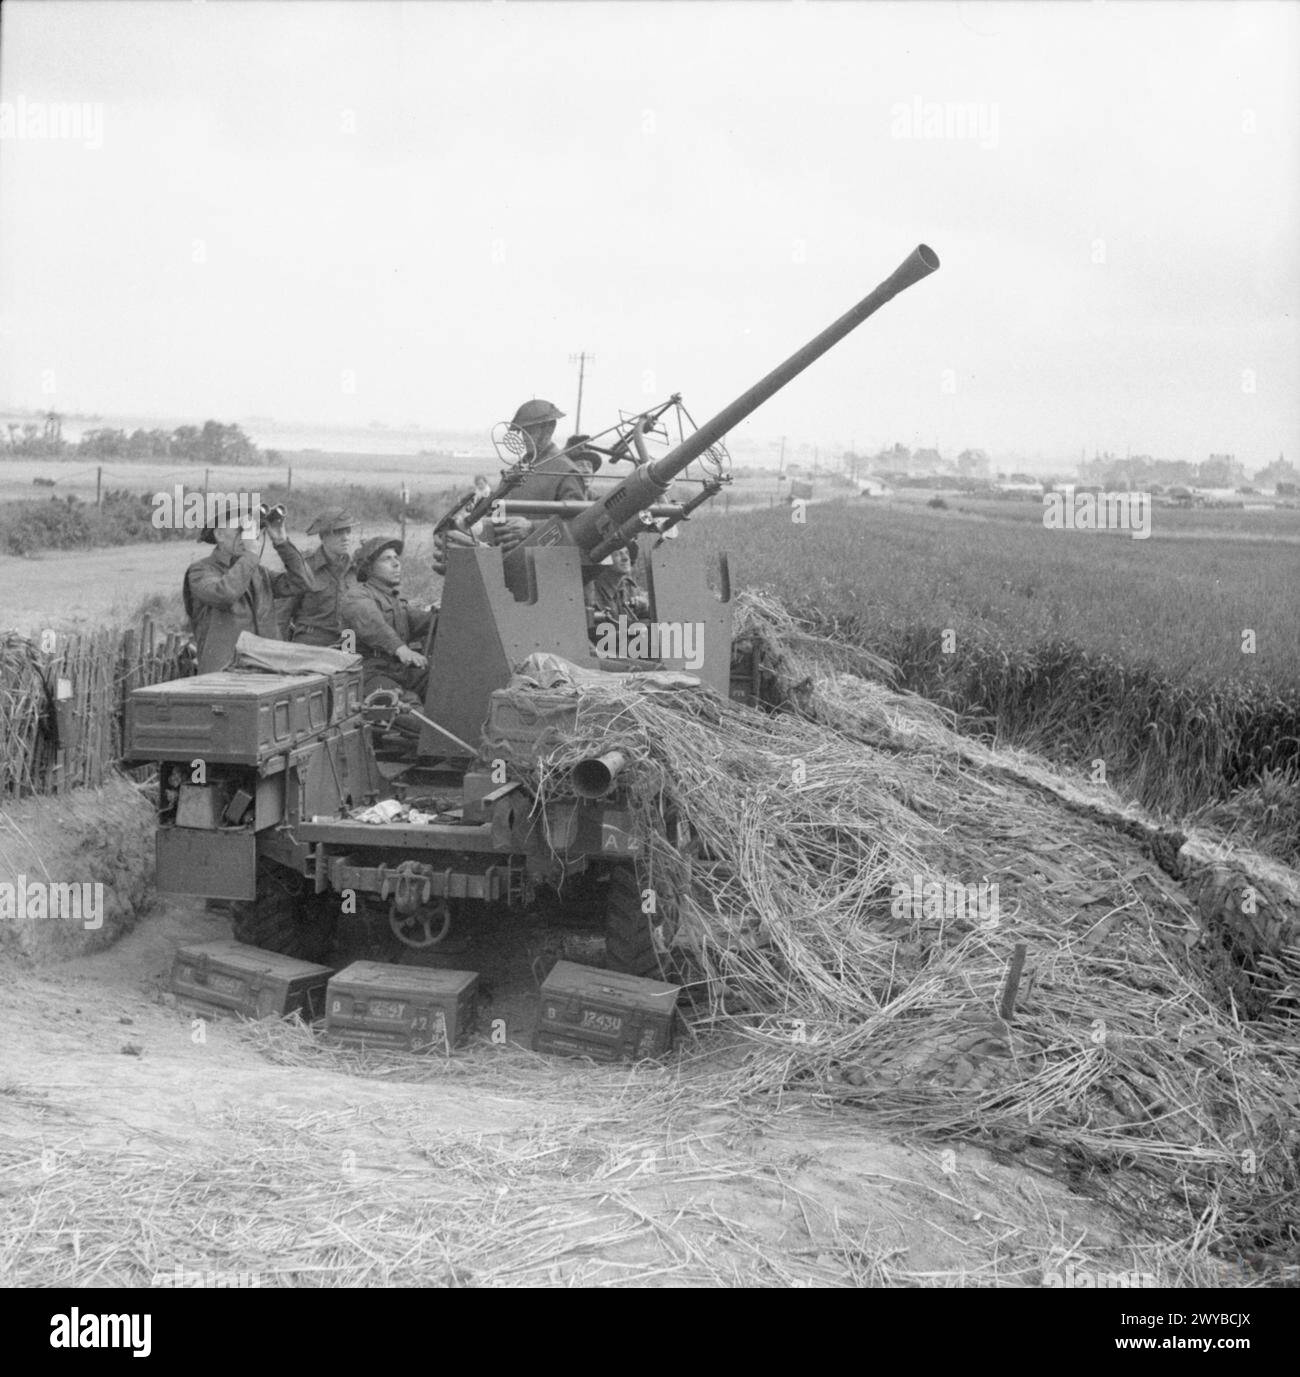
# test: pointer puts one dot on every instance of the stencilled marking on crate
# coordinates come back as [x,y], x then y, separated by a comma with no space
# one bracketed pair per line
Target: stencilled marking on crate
[599,1022]
[387,1008]
[224,984]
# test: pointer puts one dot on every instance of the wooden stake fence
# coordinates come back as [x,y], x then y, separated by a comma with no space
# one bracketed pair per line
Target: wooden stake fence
[51,742]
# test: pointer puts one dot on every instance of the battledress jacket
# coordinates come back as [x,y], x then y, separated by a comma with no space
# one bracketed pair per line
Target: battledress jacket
[384,621]
[316,617]
[554,478]
[228,593]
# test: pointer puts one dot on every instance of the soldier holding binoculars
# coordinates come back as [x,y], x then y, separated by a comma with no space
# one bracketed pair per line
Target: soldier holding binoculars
[229,591]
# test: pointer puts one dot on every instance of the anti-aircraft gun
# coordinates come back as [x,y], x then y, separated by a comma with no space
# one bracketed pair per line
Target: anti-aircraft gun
[271,823]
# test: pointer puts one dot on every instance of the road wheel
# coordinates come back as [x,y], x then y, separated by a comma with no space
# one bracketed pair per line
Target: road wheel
[287,916]
[630,934]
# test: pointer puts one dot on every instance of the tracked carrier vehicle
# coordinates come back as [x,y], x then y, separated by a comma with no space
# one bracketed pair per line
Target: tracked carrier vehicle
[262,774]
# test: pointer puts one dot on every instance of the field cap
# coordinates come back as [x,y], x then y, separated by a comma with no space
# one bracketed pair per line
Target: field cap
[576,448]
[336,519]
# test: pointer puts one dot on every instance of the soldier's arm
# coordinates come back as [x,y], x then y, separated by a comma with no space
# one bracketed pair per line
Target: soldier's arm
[213,588]
[297,576]
[571,488]
[286,609]
[360,613]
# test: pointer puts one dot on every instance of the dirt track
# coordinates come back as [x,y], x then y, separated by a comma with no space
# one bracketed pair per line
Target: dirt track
[137,1145]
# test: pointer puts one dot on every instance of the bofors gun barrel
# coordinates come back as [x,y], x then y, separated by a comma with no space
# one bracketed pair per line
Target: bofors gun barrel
[599,530]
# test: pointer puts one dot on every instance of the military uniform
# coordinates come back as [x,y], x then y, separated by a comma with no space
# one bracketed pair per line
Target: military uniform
[553,478]
[383,620]
[611,595]
[227,593]
[316,617]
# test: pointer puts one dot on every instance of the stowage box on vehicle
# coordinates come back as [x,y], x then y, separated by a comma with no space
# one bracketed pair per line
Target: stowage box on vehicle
[411,1008]
[247,980]
[602,1014]
[236,717]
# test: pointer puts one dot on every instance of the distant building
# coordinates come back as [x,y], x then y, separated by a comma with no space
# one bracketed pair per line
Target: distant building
[1020,483]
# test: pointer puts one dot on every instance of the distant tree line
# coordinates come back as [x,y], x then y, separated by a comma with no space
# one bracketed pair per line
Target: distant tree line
[211,443]
[1102,470]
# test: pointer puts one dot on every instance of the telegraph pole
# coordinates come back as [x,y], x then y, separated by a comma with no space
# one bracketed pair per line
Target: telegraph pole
[582,360]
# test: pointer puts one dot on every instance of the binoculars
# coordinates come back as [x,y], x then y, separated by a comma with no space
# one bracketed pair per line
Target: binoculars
[271,515]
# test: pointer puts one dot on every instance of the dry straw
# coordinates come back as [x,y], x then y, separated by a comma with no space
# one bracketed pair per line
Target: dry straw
[1130,1068]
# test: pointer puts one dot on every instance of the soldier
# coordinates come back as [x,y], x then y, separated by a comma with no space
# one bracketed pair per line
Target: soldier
[385,623]
[615,593]
[585,457]
[316,618]
[554,476]
[229,591]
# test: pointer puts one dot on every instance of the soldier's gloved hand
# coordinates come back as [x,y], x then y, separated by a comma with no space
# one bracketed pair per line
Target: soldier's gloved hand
[407,656]
[445,540]
[509,532]
[275,527]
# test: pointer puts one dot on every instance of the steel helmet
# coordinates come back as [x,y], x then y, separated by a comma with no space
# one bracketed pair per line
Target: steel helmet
[370,551]
[536,413]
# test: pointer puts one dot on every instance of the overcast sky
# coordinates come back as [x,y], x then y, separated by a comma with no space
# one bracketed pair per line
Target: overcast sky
[418,212]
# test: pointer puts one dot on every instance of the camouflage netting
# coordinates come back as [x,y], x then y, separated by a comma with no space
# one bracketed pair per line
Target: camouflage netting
[1151,1056]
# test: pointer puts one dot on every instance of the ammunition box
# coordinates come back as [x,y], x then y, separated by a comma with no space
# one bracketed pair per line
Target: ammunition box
[236,717]
[212,864]
[246,980]
[525,727]
[586,1012]
[410,1008]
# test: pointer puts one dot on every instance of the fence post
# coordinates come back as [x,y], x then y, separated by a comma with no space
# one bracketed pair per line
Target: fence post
[205,488]
[288,483]
[406,497]
[99,486]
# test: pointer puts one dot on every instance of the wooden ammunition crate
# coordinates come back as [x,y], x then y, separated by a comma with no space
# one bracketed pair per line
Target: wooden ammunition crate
[247,980]
[411,1008]
[236,717]
[592,1013]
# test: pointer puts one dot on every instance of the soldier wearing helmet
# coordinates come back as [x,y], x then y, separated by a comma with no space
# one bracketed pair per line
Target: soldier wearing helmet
[554,477]
[387,627]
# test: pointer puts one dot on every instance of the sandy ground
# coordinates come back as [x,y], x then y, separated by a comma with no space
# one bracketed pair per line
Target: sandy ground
[137,1141]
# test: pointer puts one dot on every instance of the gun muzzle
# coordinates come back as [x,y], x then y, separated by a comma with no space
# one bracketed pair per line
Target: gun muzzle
[595,778]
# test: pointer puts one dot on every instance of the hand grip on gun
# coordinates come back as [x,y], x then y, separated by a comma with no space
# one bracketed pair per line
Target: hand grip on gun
[444,540]
[510,531]
[407,656]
